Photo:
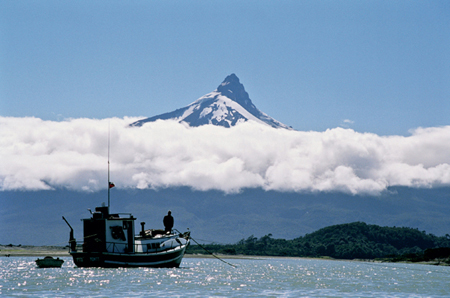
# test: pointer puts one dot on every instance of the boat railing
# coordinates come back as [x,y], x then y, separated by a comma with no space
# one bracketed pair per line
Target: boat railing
[122,248]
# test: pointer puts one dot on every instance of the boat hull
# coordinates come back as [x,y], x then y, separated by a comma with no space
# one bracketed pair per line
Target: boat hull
[165,259]
[49,262]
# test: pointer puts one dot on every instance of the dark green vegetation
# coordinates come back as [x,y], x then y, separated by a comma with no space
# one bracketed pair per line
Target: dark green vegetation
[346,241]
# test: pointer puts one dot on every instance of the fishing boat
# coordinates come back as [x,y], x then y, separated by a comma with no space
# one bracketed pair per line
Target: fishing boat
[49,262]
[109,240]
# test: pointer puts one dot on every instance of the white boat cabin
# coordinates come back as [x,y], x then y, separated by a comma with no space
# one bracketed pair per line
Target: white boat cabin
[105,232]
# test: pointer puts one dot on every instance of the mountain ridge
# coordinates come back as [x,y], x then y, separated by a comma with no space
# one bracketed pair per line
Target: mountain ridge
[226,106]
[35,217]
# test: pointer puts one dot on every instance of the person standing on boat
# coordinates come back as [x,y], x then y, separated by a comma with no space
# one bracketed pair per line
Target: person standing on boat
[168,222]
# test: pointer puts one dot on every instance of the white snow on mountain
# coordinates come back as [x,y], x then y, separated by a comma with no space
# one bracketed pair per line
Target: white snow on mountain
[219,109]
[226,106]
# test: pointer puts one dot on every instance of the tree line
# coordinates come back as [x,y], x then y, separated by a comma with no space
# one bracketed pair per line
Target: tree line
[356,240]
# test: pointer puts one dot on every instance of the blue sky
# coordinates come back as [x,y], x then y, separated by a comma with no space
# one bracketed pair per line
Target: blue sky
[384,66]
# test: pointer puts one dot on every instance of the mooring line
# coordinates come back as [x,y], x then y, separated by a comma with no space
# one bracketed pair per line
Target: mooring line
[212,253]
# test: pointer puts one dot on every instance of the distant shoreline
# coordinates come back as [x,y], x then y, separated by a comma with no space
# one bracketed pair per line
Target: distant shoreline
[33,251]
[60,251]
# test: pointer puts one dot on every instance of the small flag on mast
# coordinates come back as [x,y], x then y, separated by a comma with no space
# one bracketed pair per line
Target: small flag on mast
[111,185]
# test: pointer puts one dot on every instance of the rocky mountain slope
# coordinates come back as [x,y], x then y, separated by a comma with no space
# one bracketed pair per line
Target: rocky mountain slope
[226,106]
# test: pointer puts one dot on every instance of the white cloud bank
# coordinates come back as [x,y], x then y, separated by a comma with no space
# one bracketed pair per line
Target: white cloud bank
[37,154]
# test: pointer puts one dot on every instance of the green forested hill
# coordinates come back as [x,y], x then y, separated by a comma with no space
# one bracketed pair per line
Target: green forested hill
[360,240]
[345,241]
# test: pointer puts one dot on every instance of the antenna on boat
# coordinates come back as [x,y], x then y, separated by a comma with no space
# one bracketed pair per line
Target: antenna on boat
[109,182]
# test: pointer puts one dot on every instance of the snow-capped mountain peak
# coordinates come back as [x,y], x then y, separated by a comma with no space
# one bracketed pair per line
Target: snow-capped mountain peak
[226,106]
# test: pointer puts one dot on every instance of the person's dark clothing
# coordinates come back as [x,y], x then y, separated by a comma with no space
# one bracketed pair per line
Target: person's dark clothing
[168,222]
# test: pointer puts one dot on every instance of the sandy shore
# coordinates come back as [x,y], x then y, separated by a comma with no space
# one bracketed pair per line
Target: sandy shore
[31,251]
[37,251]
[59,251]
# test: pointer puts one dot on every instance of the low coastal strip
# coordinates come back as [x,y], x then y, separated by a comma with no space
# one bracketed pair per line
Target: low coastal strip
[11,250]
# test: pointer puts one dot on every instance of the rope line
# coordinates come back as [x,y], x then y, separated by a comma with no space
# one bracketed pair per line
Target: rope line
[212,253]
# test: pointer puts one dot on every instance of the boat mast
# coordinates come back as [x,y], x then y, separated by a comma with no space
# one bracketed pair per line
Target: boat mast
[109,182]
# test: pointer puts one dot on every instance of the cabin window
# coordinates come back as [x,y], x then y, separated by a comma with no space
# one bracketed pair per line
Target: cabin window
[117,233]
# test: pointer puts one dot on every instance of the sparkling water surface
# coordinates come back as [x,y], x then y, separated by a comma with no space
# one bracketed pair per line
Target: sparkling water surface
[204,277]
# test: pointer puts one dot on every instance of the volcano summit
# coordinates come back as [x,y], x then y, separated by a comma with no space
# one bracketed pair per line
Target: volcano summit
[227,106]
